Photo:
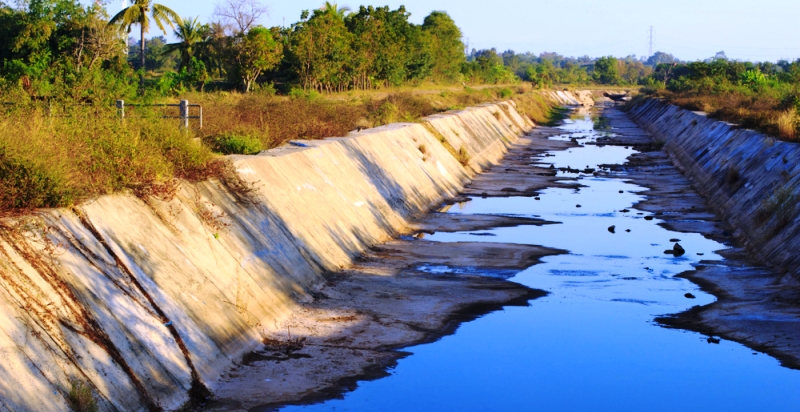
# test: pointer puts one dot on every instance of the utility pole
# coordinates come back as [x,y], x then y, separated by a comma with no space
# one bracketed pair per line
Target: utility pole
[650,48]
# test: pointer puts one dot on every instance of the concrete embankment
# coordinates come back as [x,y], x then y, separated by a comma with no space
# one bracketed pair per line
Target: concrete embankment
[147,300]
[749,178]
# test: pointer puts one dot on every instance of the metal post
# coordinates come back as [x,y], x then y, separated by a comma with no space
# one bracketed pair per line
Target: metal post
[184,114]
[121,109]
[201,116]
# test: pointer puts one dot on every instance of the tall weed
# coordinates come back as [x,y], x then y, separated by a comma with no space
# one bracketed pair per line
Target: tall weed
[52,161]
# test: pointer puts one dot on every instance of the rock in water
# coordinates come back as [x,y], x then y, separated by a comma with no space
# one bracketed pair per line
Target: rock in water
[611,228]
[689,296]
[678,250]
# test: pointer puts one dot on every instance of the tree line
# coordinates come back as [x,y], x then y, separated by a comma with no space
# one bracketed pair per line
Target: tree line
[62,48]
[50,47]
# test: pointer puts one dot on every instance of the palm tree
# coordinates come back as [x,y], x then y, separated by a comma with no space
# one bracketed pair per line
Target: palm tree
[191,34]
[334,9]
[137,14]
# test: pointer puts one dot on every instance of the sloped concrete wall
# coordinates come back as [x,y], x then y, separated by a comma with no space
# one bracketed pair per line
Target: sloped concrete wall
[751,179]
[145,299]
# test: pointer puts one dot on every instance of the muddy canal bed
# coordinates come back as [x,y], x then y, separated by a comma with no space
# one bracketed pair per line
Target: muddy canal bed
[547,289]
[593,342]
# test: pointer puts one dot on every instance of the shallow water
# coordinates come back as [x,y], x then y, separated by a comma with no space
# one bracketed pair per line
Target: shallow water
[592,343]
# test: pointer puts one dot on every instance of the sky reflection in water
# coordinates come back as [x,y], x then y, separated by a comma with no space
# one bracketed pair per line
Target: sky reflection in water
[591,344]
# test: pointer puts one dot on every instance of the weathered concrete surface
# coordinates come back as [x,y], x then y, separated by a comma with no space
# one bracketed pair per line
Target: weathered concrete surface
[754,307]
[148,300]
[751,179]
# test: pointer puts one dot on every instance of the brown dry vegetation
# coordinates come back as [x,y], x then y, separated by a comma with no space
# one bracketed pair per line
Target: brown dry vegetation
[55,159]
[763,113]
[276,119]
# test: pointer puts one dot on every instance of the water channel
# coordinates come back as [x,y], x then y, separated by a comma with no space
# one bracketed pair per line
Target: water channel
[592,343]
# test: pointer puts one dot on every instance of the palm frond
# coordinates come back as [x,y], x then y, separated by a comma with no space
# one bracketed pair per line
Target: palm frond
[162,14]
[128,17]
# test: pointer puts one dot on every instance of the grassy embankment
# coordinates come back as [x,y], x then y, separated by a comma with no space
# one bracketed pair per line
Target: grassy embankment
[764,111]
[61,157]
[764,97]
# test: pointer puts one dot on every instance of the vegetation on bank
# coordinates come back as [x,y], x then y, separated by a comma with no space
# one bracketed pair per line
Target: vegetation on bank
[761,96]
[58,155]
[63,64]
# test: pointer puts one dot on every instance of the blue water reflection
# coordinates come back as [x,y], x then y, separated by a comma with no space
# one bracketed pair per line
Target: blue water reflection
[591,345]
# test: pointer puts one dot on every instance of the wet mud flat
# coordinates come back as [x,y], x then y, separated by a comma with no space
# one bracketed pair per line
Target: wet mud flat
[756,305]
[405,292]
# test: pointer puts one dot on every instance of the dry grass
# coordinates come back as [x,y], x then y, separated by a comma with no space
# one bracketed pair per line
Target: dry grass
[763,112]
[82,151]
[57,161]
[786,122]
[276,119]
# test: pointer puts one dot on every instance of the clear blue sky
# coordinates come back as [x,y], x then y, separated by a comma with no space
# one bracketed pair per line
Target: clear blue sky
[757,30]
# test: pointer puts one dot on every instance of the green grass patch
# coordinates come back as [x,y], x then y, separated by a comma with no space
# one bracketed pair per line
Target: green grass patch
[233,143]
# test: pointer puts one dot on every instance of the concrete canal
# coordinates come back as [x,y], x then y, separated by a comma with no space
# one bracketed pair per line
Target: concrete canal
[597,340]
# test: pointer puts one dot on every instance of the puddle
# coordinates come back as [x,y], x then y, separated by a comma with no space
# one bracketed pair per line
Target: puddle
[592,343]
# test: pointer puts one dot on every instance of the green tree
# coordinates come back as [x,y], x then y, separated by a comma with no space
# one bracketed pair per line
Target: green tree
[487,67]
[191,35]
[606,70]
[320,52]
[155,59]
[54,48]
[253,53]
[448,49]
[335,10]
[137,13]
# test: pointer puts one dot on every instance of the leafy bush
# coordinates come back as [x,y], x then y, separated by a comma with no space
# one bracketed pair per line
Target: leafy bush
[385,114]
[760,96]
[25,185]
[309,95]
[505,93]
[232,143]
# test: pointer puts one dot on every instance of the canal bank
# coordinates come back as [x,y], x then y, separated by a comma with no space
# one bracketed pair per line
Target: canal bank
[145,302]
[593,342]
[750,181]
